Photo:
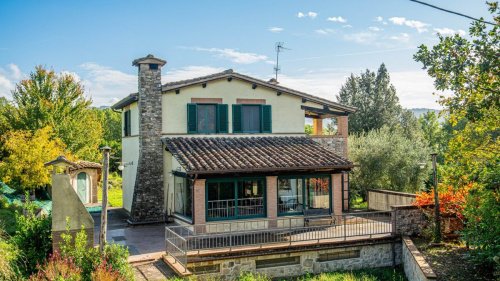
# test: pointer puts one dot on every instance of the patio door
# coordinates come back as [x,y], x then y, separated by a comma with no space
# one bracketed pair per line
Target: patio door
[317,193]
[82,187]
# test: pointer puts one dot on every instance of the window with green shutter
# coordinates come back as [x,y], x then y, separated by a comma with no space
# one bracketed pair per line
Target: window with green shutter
[222,118]
[252,118]
[267,119]
[237,118]
[207,118]
[127,126]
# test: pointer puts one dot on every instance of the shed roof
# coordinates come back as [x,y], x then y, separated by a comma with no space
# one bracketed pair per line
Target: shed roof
[222,155]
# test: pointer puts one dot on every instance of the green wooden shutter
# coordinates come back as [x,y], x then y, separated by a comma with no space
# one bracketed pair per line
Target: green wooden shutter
[192,118]
[237,118]
[222,118]
[266,119]
[126,124]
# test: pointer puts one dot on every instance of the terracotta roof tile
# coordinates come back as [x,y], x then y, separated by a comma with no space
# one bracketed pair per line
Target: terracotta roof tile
[218,155]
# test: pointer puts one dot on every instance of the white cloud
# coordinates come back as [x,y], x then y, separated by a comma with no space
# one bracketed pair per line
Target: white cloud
[234,55]
[379,19]
[361,37]
[337,19]
[418,25]
[403,37]
[188,72]
[347,26]
[324,31]
[311,15]
[276,29]
[374,28]
[9,76]
[445,31]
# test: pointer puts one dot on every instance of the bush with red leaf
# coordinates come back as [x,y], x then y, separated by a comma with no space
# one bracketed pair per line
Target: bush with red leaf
[451,202]
[57,268]
[105,272]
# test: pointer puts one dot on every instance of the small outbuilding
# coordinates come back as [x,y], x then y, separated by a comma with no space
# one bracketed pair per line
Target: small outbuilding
[84,177]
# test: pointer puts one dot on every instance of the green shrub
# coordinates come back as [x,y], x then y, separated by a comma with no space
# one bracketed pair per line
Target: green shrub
[90,259]
[57,268]
[9,254]
[33,238]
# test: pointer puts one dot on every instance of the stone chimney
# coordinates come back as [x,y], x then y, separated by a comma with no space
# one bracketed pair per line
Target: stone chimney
[147,202]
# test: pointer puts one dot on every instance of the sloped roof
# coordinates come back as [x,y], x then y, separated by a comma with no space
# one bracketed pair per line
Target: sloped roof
[231,74]
[74,165]
[222,155]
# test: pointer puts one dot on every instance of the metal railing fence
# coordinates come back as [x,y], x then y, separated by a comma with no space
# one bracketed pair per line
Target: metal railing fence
[287,231]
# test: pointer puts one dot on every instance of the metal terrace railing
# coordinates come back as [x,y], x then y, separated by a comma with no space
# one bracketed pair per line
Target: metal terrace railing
[287,231]
[222,209]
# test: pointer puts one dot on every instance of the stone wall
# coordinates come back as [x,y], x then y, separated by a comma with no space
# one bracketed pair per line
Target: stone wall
[410,220]
[414,264]
[147,201]
[382,200]
[312,261]
[336,143]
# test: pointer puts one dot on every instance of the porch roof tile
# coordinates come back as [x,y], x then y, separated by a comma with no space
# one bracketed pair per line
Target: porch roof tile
[222,155]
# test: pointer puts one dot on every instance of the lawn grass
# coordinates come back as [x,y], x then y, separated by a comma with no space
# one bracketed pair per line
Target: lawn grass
[114,196]
[8,221]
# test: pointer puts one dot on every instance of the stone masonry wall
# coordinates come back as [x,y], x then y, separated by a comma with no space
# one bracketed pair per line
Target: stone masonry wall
[410,220]
[335,143]
[414,264]
[147,202]
[370,256]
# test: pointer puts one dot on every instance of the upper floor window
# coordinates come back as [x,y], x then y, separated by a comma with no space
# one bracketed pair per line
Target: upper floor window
[252,118]
[207,118]
[127,127]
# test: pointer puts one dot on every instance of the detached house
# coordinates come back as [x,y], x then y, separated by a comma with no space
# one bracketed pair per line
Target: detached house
[227,147]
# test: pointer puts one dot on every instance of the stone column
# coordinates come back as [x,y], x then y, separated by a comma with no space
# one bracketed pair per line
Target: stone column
[272,197]
[343,131]
[199,216]
[337,194]
[317,126]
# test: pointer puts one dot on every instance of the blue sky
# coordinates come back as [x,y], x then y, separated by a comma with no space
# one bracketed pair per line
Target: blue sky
[97,40]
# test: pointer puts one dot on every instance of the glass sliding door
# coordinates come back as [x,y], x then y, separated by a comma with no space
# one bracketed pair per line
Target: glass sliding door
[221,201]
[183,200]
[251,198]
[290,196]
[235,198]
[317,193]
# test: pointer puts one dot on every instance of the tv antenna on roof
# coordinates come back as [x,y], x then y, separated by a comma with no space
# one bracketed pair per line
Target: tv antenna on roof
[279,48]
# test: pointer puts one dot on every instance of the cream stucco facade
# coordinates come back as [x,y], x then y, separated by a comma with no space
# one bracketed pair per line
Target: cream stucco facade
[130,155]
[288,118]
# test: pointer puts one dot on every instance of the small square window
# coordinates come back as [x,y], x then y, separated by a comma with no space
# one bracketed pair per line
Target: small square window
[153,66]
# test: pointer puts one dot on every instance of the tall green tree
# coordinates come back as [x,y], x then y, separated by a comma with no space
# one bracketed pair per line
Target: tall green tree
[58,101]
[470,69]
[376,99]
[387,159]
[112,133]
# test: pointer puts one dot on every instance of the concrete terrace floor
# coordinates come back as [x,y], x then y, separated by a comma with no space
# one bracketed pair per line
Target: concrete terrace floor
[140,240]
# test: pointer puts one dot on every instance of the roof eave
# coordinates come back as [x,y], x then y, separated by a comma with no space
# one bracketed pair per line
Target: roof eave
[128,100]
[281,169]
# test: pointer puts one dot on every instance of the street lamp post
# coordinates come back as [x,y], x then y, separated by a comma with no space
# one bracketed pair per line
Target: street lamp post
[437,215]
[104,212]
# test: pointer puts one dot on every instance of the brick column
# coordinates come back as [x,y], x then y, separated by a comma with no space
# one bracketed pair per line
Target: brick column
[272,197]
[199,202]
[337,193]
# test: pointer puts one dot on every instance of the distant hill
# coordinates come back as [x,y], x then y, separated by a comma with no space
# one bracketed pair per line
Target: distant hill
[420,111]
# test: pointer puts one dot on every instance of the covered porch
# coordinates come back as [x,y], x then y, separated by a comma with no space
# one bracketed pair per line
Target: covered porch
[243,178]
